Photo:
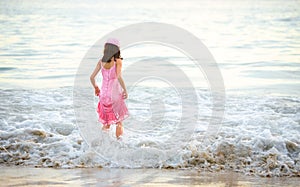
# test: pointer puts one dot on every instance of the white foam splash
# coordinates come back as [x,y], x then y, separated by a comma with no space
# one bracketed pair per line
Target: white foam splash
[259,136]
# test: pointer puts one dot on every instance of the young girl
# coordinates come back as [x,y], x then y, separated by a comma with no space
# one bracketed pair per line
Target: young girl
[111,107]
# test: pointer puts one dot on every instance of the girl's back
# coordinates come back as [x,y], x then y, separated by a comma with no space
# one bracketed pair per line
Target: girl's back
[107,65]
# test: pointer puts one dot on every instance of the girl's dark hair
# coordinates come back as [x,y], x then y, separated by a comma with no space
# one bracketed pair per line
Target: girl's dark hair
[110,50]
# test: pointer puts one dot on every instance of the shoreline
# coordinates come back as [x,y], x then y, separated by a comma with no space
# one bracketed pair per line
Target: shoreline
[31,176]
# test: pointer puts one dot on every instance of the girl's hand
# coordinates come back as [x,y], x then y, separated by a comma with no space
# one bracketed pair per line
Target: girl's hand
[125,95]
[97,91]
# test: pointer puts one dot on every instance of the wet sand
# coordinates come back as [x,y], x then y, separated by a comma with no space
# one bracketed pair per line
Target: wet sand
[27,176]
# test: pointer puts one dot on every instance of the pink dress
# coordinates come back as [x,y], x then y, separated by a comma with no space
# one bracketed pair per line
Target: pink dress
[111,107]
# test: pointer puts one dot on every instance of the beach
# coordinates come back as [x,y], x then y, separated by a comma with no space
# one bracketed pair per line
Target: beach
[28,176]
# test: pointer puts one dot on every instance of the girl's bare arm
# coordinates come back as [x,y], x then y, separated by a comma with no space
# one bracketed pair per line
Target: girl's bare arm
[94,74]
[120,79]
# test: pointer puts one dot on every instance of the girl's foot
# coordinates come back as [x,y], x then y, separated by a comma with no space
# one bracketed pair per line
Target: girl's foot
[120,137]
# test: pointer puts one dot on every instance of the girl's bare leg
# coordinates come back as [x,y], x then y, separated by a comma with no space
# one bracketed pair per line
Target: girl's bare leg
[105,127]
[119,130]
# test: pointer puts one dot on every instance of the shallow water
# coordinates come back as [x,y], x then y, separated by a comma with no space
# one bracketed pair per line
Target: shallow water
[256,46]
[258,136]
[21,176]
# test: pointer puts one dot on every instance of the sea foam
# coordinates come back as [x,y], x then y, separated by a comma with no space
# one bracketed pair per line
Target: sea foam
[258,136]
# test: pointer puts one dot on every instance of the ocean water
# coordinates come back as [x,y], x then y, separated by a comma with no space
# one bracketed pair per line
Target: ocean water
[256,46]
